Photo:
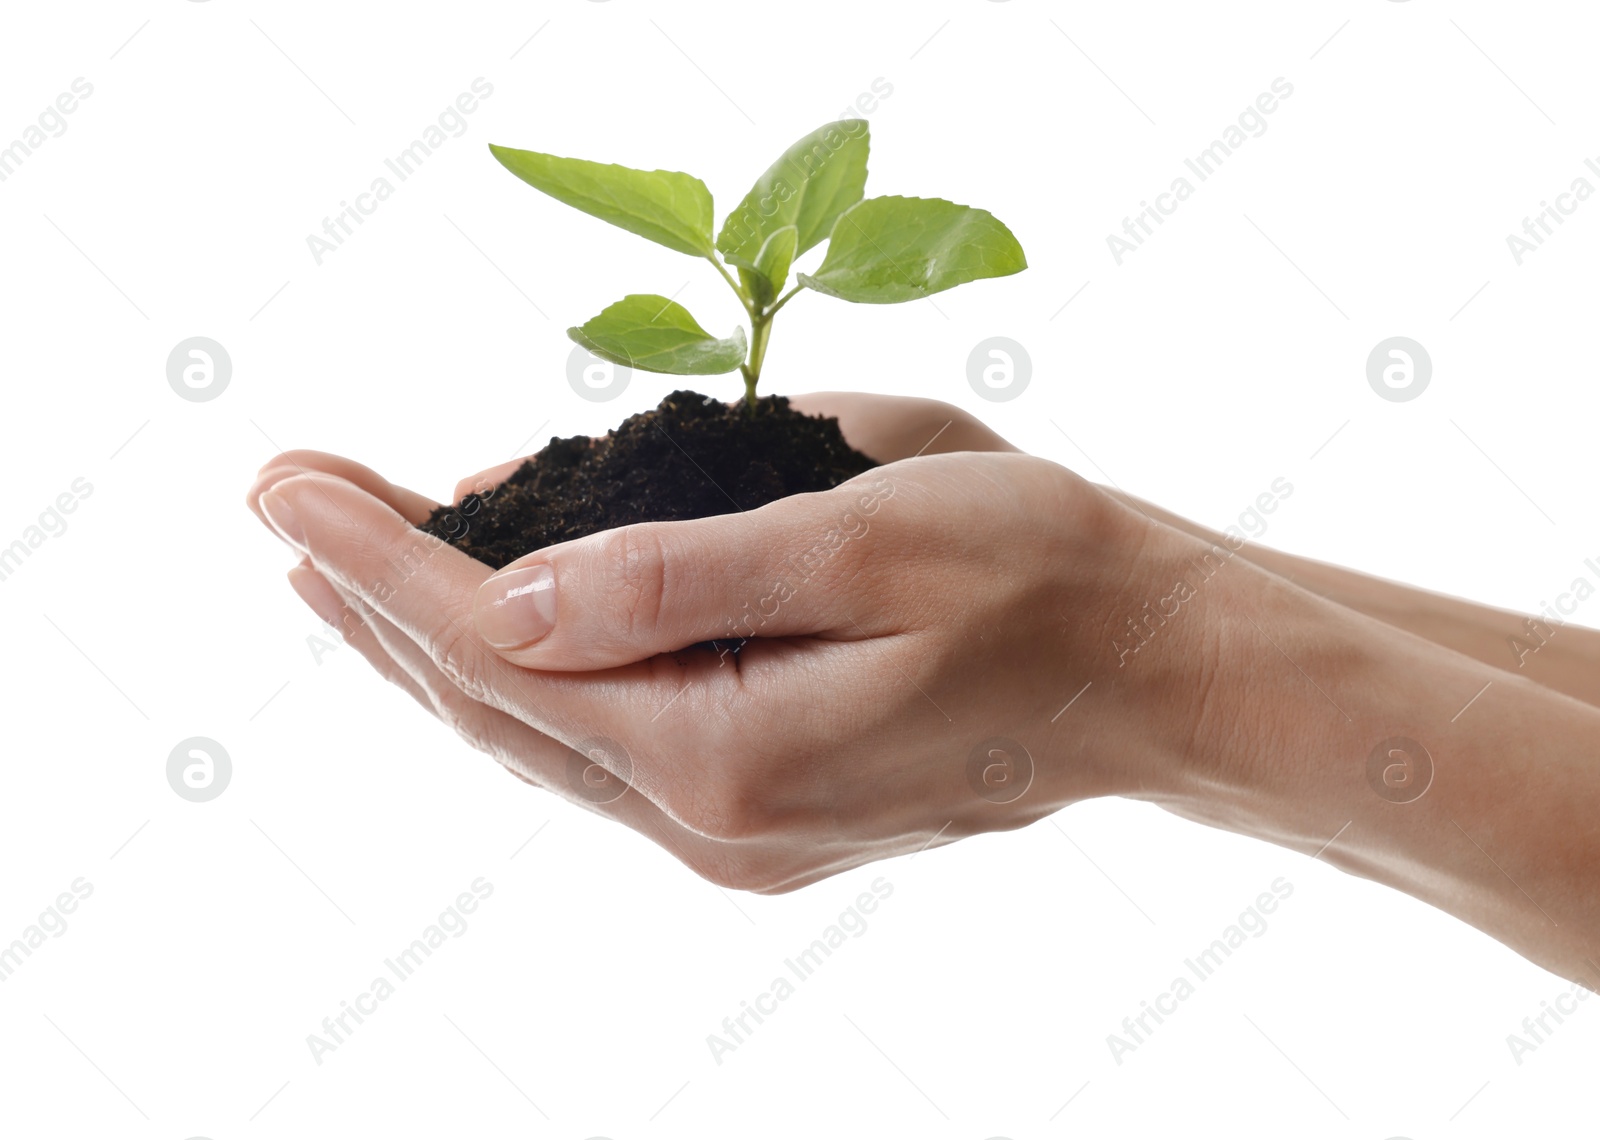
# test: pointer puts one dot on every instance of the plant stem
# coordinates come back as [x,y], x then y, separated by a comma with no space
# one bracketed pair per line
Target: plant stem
[760,331]
[784,300]
[726,276]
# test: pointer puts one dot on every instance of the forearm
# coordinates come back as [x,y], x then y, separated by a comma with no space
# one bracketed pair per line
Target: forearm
[1505,834]
[1561,657]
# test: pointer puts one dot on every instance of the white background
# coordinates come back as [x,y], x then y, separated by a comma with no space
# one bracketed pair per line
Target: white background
[1225,353]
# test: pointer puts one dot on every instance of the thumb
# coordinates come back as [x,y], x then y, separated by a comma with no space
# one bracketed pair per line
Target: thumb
[798,566]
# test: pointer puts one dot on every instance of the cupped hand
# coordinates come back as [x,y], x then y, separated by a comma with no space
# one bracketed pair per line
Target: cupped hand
[919,639]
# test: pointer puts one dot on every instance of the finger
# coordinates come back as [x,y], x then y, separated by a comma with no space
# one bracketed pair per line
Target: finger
[316,592]
[399,660]
[535,756]
[412,507]
[594,775]
[891,428]
[488,479]
[807,565]
[426,588]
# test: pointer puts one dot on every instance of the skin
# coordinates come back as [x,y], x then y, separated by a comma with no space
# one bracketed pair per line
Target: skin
[1567,661]
[967,592]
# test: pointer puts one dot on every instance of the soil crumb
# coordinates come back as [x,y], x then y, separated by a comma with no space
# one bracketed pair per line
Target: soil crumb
[690,457]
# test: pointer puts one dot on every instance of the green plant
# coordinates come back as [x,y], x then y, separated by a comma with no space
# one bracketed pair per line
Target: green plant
[880,250]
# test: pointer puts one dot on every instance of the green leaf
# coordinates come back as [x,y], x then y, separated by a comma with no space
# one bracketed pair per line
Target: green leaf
[771,272]
[655,334]
[886,250]
[663,205]
[815,180]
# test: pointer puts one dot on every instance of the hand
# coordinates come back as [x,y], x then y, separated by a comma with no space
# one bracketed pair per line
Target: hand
[843,733]
[925,608]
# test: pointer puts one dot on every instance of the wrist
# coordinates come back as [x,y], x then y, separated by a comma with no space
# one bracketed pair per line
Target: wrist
[1294,686]
[1221,672]
[1398,760]
[1141,662]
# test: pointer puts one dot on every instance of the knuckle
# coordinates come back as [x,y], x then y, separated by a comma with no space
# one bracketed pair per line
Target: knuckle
[481,740]
[512,770]
[949,411]
[633,577]
[462,662]
[786,888]
[282,459]
[453,712]
[469,721]
[730,868]
[729,811]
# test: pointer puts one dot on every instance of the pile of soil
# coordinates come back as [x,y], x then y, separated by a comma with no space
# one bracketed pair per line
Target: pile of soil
[690,457]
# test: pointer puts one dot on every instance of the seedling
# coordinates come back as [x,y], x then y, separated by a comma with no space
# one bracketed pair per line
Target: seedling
[880,250]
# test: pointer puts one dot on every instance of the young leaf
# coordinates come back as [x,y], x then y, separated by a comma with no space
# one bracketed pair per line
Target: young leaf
[886,250]
[771,270]
[663,205]
[815,180]
[655,334]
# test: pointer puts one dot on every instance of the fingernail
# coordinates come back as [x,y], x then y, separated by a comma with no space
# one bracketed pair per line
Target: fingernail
[264,482]
[517,607]
[281,516]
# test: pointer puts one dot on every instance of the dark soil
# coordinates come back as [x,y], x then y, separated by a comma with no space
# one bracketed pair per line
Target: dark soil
[688,458]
